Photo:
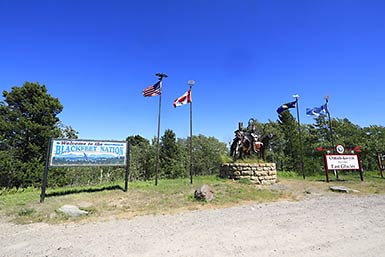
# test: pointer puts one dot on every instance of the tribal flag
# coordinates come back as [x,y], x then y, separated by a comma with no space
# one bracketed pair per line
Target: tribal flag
[153,90]
[184,99]
[286,106]
[317,111]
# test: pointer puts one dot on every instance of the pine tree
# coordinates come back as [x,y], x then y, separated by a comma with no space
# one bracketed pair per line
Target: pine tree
[169,155]
[28,118]
[291,147]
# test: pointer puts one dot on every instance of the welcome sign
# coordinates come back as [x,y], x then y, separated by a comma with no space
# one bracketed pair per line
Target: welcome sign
[66,152]
[342,162]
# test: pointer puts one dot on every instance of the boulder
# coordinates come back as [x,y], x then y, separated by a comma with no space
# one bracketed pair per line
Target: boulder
[204,193]
[72,210]
[343,189]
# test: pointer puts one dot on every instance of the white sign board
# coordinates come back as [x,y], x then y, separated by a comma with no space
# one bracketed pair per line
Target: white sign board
[66,152]
[342,162]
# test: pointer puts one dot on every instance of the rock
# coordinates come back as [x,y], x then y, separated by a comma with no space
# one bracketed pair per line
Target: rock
[342,189]
[204,193]
[72,210]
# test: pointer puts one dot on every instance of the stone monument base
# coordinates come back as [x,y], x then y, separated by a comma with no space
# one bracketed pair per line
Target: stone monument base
[257,173]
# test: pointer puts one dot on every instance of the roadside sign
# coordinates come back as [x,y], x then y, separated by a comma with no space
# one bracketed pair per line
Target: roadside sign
[342,162]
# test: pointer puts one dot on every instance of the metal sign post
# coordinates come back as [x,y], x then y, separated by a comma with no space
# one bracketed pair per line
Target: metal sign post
[83,153]
[381,163]
[45,174]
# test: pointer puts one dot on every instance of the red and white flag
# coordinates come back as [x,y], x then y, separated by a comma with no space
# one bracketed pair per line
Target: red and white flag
[184,99]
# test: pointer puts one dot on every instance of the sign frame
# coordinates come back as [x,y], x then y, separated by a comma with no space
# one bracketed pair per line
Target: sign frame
[78,153]
[85,153]
[342,162]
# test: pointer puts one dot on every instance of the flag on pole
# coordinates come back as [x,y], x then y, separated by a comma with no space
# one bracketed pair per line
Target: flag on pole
[184,99]
[153,90]
[317,111]
[286,106]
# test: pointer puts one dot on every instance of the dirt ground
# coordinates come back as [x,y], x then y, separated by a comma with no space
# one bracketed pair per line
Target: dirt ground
[320,223]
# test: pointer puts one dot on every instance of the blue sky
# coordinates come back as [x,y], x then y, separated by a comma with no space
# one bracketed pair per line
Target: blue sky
[247,58]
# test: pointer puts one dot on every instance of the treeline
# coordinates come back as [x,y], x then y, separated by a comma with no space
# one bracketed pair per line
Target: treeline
[174,158]
[316,139]
[28,118]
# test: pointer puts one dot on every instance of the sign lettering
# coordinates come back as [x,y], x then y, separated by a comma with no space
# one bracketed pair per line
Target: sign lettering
[87,153]
[342,162]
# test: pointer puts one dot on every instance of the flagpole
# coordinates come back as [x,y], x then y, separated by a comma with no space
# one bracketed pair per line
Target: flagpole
[300,136]
[191,83]
[330,120]
[330,129]
[161,76]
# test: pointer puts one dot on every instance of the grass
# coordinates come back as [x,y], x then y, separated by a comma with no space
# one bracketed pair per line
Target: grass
[372,184]
[109,201]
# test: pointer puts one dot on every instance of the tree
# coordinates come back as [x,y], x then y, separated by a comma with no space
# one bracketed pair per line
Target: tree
[137,140]
[169,155]
[140,157]
[372,145]
[207,153]
[274,150]
[67,131]
[347,133]
[291,147]
[313,159]
[184,156]
[28,119]
[323,131]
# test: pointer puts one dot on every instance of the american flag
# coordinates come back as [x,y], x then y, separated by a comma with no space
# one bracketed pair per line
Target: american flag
[153,90]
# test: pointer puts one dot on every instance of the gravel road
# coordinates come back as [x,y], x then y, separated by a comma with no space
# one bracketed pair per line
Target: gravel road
[338,225]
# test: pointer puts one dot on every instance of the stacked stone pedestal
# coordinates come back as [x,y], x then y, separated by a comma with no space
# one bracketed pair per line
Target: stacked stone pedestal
[257,173]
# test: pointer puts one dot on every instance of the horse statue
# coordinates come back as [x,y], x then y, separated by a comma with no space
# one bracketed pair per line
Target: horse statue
[248,140]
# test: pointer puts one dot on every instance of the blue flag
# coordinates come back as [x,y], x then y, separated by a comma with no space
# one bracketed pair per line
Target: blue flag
[317,111]
[286,106]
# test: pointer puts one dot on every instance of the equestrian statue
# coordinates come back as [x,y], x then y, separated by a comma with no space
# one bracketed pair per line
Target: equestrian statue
[247,141]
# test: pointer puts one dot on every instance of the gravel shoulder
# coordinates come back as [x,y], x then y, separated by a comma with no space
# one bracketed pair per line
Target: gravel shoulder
[318,225]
